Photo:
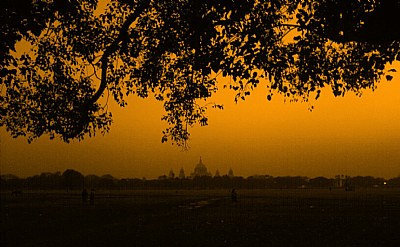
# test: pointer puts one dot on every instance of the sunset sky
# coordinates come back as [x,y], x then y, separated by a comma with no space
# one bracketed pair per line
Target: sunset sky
[351,135]
[345,135]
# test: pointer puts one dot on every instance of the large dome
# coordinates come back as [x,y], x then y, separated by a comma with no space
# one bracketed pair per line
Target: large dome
[200,170]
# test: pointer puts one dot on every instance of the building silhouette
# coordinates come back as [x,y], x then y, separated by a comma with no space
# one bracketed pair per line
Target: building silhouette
[230,173]
[171,174]
[200,170]
[182,174]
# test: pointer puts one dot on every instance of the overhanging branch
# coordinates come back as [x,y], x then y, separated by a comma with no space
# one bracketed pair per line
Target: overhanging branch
[113,47]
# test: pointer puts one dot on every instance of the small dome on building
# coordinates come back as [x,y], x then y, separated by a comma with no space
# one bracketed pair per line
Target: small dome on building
[230,173]
[182,174]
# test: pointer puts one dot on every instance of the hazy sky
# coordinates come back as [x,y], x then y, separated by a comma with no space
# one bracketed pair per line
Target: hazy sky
[350,135]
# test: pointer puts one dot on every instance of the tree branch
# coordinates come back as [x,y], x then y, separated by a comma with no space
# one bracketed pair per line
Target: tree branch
[113,47]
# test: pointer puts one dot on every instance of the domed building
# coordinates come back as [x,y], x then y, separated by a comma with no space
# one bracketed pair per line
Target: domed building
[200,170]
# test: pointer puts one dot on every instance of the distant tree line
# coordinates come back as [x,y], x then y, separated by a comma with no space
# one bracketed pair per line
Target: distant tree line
[74,180]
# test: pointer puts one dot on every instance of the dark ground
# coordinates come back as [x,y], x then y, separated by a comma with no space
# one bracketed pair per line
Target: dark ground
[203,218]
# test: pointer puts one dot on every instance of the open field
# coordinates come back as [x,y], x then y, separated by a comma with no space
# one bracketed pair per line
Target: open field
[203,218]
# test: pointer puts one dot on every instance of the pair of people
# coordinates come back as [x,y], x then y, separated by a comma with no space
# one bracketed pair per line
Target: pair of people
[85,196]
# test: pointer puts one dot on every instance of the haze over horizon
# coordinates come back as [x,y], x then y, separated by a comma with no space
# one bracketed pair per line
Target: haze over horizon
[345,135]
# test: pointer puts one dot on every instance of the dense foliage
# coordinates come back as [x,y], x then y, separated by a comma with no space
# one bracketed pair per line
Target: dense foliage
[174,50]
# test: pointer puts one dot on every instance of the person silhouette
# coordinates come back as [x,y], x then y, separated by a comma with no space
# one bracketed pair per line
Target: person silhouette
[92,197]
[84,195]
[234,195]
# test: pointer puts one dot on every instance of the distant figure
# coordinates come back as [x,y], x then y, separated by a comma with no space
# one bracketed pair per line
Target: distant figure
[347,186]
[92,197]
[85,195]
[234,195]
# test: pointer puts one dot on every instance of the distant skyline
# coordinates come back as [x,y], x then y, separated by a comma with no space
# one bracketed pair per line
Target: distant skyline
[346,135]
[176,175]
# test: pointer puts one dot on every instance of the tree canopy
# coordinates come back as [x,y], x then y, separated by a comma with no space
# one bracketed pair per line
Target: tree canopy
[174,51]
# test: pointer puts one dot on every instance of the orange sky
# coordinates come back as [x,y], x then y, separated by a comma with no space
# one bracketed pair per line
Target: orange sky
[350,135]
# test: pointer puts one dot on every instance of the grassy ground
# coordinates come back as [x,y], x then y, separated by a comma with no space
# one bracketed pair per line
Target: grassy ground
[203,218]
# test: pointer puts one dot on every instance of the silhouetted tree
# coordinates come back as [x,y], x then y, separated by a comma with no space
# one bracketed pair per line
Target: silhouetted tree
[321,182]
[46,180]
[260,182]
[11,182]
[367,181]
[394,182]
[174,50]
[107,181]
[72,179]
[92,181]
[290,182]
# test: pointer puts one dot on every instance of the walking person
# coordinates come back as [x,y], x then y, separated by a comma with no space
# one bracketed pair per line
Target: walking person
[234,195]
[85,195]
[91,197]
